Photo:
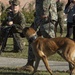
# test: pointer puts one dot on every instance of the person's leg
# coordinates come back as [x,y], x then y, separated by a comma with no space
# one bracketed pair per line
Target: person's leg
[18,43]
[61,25]
[1,36]
[56,25]
[69,30]
[61,22]
[30,62]
[29,65]
[74,33]
[4,36]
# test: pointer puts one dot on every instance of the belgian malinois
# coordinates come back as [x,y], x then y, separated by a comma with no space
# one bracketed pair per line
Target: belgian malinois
[44,47]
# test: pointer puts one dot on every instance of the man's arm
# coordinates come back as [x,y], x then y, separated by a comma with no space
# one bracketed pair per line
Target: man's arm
[21,24]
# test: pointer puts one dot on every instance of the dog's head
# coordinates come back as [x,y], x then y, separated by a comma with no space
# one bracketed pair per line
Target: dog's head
[28,32]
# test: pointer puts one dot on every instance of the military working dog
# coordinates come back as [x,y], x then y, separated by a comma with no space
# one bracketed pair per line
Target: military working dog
[44,47]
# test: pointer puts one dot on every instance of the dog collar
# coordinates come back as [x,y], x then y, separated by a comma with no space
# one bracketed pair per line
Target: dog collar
[31,39]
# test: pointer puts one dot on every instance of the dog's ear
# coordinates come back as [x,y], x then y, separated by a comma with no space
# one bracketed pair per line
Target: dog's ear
[28,31]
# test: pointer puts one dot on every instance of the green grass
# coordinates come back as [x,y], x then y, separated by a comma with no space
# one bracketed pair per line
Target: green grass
[13,71]
[9,47]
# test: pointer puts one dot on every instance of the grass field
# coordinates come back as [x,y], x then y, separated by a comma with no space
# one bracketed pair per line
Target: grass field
[12,71]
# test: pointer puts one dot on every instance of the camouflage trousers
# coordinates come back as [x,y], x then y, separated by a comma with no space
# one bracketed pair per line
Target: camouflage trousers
[17,40]
[47,31]
[60,21]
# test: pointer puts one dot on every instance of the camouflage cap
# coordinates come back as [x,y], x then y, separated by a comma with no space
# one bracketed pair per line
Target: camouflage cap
[16,2]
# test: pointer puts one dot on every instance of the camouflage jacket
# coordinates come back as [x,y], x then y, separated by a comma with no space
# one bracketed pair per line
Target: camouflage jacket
[18,20]
[46,7]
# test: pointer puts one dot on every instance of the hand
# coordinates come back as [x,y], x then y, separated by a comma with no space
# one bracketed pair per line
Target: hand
[10,23]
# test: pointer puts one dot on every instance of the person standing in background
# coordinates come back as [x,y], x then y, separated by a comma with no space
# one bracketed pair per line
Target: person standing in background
[70,11]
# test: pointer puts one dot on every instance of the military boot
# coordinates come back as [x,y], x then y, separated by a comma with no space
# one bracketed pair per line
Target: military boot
[28,67]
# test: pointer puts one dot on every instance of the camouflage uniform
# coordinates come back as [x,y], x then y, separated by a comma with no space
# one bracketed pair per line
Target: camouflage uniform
[46,7]
[60,10]
[19,23]
[45,25]
[2,8]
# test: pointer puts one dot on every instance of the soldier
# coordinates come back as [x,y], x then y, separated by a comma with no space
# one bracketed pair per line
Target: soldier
[2,8]
[70,12]
[60,10]
[16,18]
[45,19]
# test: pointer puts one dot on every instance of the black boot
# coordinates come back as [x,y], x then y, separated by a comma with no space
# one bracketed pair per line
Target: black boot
[28,67]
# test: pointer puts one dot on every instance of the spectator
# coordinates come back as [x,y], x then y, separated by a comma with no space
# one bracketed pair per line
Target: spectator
[16,18]
[45,19]
[70,11]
